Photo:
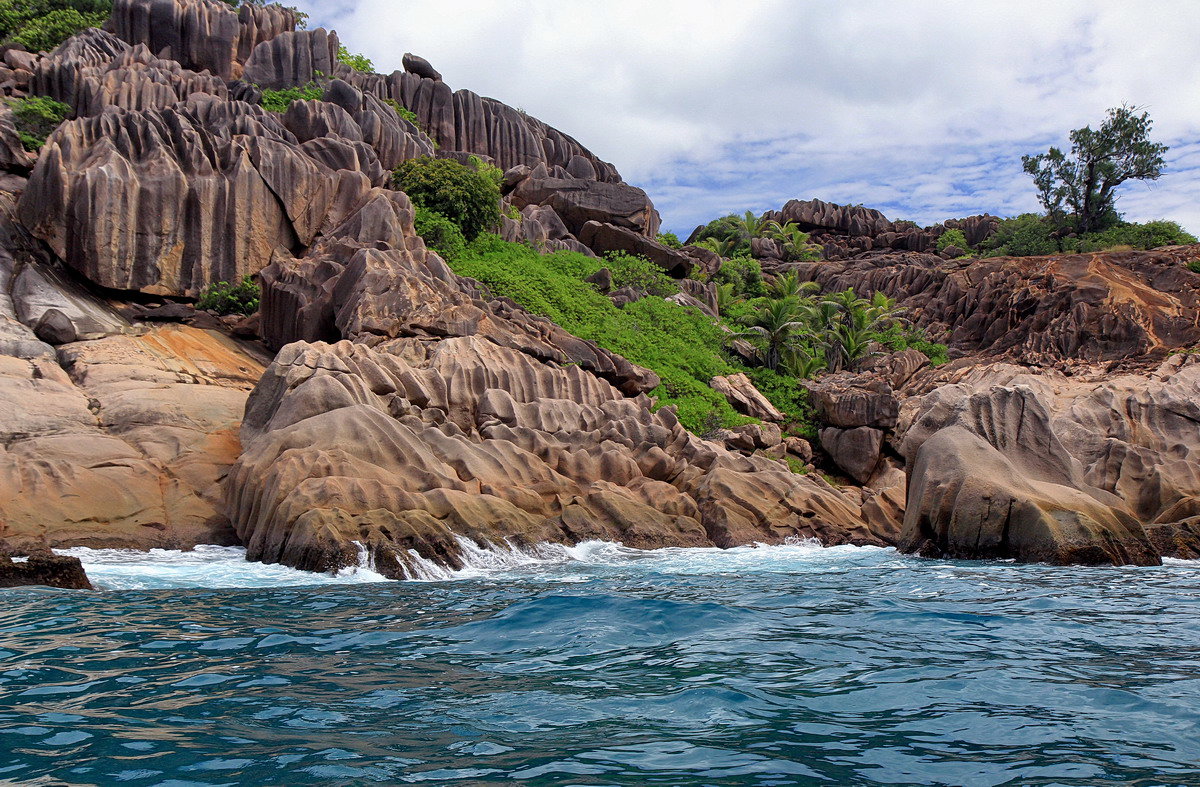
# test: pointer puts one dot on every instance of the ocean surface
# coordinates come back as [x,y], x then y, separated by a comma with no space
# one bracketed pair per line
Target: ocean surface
[601,665]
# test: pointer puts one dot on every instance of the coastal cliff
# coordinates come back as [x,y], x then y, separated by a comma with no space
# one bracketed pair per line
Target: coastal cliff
[378,399]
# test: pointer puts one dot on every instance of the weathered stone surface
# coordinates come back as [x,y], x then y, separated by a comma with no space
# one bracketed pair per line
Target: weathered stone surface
[856,451]
[13,156]
[1040,467]
[419,66]
[170,201]
[580,201]
[123,445]
[45,569]
[740,392]
[849,401]
[1095,307]
[292,58]
[203,35]
[602,238]
[404,446]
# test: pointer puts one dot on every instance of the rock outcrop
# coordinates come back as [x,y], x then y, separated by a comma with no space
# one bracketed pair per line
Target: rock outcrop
[45,569]
[1093,307]
[406,445]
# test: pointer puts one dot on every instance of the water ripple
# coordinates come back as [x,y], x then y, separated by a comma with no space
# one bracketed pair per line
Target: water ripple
[605,666]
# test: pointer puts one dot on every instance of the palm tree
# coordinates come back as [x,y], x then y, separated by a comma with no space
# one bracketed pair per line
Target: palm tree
[794,240]
[851,325]
[788,285]
[802,362]
[776,324]
[726,247]
[752,226]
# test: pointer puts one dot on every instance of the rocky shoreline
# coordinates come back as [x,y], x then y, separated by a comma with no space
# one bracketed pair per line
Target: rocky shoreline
[379,399]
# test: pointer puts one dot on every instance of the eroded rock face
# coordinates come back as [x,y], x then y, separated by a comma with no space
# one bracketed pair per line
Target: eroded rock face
[124,444]
[1092,307]
[402,446]
[1040,467]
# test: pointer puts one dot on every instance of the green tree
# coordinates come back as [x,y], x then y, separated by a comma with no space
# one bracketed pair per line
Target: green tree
[954,238]
[465,195]
[1080,188]
[41,25]
[357,62]
[775,326]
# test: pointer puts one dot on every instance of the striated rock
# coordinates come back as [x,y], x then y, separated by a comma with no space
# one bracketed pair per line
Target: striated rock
[45,569]
[170,201]
[1039,467]
[849,401]
[740,392]
[13,156]
[579,201]
[202,35]
[403,446]
[292,58]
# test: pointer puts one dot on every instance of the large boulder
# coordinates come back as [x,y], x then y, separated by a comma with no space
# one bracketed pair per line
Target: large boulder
[45,569]
[579,201]
[603,238]
[1005,463]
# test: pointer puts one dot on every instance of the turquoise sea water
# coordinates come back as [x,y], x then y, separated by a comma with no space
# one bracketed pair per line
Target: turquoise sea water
[605,666]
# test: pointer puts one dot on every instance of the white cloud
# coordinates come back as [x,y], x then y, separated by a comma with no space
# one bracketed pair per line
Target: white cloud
[920,108]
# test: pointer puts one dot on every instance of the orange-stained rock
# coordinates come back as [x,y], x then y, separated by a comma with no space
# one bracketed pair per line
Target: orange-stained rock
[125,444]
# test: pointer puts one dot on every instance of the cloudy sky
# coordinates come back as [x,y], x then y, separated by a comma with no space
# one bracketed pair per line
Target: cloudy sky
[921,109]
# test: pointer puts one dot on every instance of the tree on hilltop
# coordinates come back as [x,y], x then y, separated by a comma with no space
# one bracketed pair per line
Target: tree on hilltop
[1080,188]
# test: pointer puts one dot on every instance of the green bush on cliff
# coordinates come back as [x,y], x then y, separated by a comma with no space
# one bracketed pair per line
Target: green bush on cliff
[440,234]
[670,240]
[403,111]
[468,196]
[35,118]
[681,345]
[41,25]
[1150,235]
[225,298]
[358,62]
[280,100]
[954,238]
[629,270]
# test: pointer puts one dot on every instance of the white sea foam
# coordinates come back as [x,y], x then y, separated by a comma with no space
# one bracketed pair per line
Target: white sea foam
[205,567]
[227,567]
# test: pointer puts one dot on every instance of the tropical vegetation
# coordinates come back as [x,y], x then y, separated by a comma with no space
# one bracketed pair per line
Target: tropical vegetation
[35,118]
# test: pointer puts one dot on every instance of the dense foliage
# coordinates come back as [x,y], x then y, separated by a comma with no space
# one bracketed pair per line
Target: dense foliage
[1031,235]
[467,195]
[226,298]
[35,118]
[41,25]
[357,62]
[731,236]
[1079,190]
[954,238]
[670,240]
[440,233]
[280,100]
[638,272]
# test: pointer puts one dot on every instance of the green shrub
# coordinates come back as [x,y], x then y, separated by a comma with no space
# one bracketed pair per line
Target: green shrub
[1150,235]
[403,111]
[1027,235]
[953,238]
[465,195]
[1194,266]
[225,298]
[745,274]
[440,234]
[36,118]
[789,398]
[681,345]
[41,25]
[357,62]
[629,270]
[280,100]
[670,240]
